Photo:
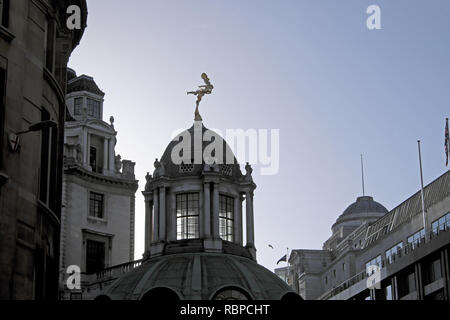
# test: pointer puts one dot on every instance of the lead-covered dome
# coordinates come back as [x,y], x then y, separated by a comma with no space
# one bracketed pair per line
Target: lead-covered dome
[205,276]
[365,209]
[364,204]
[226,162]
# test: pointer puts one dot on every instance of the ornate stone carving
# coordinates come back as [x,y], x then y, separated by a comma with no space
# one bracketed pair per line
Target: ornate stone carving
[118,163]
[128,169]
[248,174]
[203,89]
[159,168]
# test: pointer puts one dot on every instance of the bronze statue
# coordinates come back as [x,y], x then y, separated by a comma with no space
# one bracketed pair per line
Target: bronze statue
[203,89]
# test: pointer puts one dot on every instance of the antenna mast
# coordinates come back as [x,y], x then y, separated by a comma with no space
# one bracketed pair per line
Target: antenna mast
[362,175]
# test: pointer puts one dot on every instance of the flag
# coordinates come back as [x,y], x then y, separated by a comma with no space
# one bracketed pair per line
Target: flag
[283,258]
[447,143]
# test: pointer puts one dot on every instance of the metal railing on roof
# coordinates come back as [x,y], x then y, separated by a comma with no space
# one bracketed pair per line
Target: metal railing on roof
[410,247]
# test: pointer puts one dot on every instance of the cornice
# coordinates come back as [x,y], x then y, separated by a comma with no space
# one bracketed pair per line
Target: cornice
[107,180]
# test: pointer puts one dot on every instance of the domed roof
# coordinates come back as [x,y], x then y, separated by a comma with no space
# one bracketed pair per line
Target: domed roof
[363,205]
[195,276]
[229,168]
[365,208]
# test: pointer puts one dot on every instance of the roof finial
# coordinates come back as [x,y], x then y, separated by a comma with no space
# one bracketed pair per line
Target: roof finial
[203,89]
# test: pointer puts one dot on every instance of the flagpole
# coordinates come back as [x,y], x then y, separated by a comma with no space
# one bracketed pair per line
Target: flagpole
[362,174]
[287,265]
[447,142]
[421,192]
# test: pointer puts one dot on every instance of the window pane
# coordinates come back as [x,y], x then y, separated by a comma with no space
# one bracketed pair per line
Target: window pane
[95,256]
[93,108]
[78,106]
[96,205]
[187,216]
[226,217]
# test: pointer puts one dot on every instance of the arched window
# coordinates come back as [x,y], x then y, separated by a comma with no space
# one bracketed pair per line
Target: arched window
[232,293]
[226,217]
[187,209]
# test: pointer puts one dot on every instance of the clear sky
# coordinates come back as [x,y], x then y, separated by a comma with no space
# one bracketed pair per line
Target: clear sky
[309,68]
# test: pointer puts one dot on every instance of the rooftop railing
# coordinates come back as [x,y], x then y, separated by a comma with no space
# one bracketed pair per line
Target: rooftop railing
[111,272]
[410,247]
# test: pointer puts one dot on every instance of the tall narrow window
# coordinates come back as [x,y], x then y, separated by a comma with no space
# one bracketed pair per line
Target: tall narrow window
[4,13]
[45,159]
[226,217]
[95,256]
[2,111]
[93,108]
[96,204]
[93,158]
[78,105]
[53,169]
[50,45]
[187,209]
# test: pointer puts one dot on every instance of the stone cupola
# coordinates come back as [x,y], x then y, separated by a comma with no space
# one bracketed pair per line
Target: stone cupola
[194,198]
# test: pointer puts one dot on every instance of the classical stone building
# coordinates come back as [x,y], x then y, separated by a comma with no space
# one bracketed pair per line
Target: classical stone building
[392,248]
[194,237]
[97,223]
[35,45]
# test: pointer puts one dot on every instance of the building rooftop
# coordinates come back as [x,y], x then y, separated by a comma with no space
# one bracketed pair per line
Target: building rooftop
[194,276]
[82,83]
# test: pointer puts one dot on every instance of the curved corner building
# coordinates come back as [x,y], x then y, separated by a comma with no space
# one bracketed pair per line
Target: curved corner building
[35,46]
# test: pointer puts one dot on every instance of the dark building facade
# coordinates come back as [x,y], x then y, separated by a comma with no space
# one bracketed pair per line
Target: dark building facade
[35,45]
[392,257]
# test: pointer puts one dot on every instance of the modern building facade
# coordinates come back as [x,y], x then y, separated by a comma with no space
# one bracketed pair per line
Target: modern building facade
[378,255]
[35,46]
[194,235]
[97,223]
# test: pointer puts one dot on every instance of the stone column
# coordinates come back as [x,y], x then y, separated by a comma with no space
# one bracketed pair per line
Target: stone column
[88,148]
[85,147]
[249,219]
[172,236]
[148,224]
[155,226]
[162,213]
[215,214]
[111,155]
[105,155]
[238,220]
[206,232]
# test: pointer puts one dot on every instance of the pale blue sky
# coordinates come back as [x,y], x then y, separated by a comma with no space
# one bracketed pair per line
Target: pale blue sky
[309,68]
